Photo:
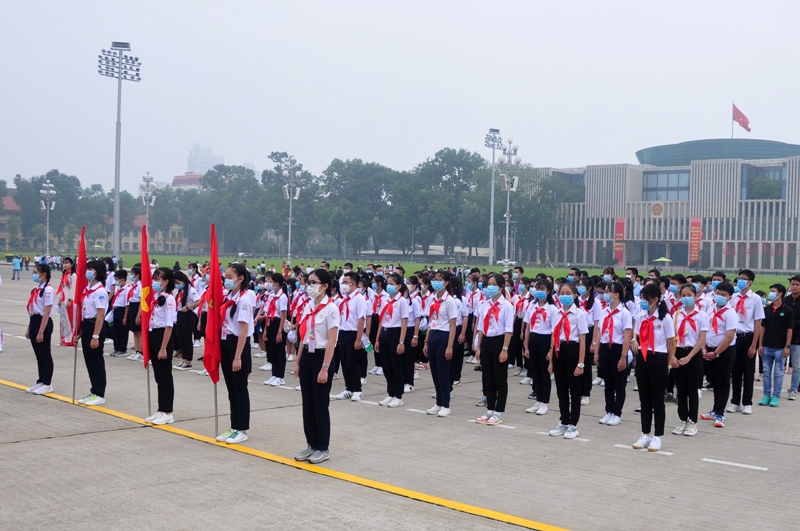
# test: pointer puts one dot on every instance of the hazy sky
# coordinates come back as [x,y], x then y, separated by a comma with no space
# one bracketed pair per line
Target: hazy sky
[573,83]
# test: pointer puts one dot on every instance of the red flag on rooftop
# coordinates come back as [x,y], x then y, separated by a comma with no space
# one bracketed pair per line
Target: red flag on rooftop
[212,353]
[740,118]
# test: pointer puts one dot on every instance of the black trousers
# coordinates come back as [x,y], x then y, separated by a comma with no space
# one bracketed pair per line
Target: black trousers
[118,331]
[350,360]
[187,323]
[538,346]
[162,369]
[93,357]
[588,360]
[457,363]
[44,357]
[392,363]
[276,352]
[494,373]
[133,309]
[687,380]
[744,368]
[616,380]
[469,322]
[373,337]
[236,382]
[651,377]
[720,377]
[440,366]
[316,399]
[410,356]
[568,386]
[515,356]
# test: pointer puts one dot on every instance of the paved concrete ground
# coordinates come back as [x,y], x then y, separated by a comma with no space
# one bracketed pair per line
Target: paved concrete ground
[67,467]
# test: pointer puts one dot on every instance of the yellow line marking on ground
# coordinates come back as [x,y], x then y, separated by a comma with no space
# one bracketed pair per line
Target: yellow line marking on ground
[343,476]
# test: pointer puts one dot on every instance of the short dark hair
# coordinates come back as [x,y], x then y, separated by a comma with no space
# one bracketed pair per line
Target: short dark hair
[634,271]
[719,274]
[780,288]
[324,277]
[725,286]
[749,274]
[99,268]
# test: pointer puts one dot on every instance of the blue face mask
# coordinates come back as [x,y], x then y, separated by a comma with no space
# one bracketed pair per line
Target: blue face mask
[607,278]
[637,289]
[581,290]
[491,291]
[570,278]
[468,286]
[566,300]
[644,305]
[480,285]
[515,276]
[714,284]
[156,286]
[379,274]
[35,277]
[673,288]
[741,283]
[696,287]
[772,296]
[391,288]
[763,301]
[208,278]
[374,286]
[687,301]
[736,289]
[131,280]
[720,301]
[228,284]
[437,285]
[540,295]
[89,275]
[179,286]
[607,298]
[521,289]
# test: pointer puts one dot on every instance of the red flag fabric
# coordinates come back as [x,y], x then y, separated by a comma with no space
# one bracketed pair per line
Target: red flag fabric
[212,351]
[740,118]
[80,285]
[146,304]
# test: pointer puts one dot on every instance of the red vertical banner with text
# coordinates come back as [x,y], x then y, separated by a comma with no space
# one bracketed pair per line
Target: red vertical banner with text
[619,240]
[695,235]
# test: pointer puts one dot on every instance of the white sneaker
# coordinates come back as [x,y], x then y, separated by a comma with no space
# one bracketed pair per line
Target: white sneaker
[534,408]
[602,383]
[132,356]
[433,395]
[236,437]
[86,398]
[136,356]
[43,389]
[747,410]
[526,381]
[344,395]
[519,371]
[434,410]
[614,420]
[416,375]
[277,382]
[196,343]
[655,444]
[733,408]
[363,381]
[700,393]
[266,367]
[269,382]
[290,357]
[375,370]
[571,433]
[643,442]
[585,400]
[32,388]
[203,373]
[444,412]
[357,396]
[297,388]
[605,419]
[96,401]
[386,401]
[680,428]
[222,437]
[396,402]
[152,417]
[636,387]
[164,418]
[542,410]
[597,381]
[260,354]
[408,388]
[456,383]
[560,430]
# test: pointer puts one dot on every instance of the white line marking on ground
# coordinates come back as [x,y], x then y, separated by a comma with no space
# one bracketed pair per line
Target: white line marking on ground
[629,447]
[370,403]
[417,411]
[739,465]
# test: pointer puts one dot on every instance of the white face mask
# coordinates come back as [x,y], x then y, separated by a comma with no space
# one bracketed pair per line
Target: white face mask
[345,271]
[344,289]
[312,291]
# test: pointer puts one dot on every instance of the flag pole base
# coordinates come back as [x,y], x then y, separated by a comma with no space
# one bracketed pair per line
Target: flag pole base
[216,412]
[74,372]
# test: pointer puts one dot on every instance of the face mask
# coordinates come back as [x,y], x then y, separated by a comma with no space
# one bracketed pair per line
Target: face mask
[741,283]
[90,275]
[772,296]
[521,290]
[369,271]
[644,305]
[191,273]
[379,274]
[696,287]
[628,276]
[391,288]
[257,287]
[763,301]
[566,300]
[607,278]
[156,286]
[720,301]
[374,286]
[301,289]
[437,285]
[345,271]
[736,289]
[480,285]
[491,291]
[344,289]
[607,298]
[687,301]
[131,280]
[118,283]
[515,276]
[673,288]
[570,278]
[468,286]
[35,277]
[312,291]
[714,284]
[228,284]
[581,290]
[540,295]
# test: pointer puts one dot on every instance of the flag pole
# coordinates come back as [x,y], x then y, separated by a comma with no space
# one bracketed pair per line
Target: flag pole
[216,412]
[149,407]
[74,370]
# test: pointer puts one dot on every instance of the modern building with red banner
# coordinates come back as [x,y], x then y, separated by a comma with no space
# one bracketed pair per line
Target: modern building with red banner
[708,204]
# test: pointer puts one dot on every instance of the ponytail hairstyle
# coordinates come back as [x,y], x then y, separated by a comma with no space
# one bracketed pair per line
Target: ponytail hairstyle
[164,273]
[414,281]
[398,279]
[240,270]
[627,294]
[447,278]
[137,270]
[380,280]
[279,281]
[588,283]
[44,270]
[455,287]
[546,285]
[324,278]
[650,292]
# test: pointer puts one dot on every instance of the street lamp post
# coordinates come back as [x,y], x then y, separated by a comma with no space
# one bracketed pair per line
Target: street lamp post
[291,191]
[493,141]
[48,204]
[113,63]
[509,182]
[146,188]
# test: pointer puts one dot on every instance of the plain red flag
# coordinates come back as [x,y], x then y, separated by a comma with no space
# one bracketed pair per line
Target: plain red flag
[146,303]
[740,118]
[80,285]
[212,351]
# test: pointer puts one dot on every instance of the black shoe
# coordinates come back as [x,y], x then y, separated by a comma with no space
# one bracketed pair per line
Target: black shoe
[638,410]
[532,396]
[670,398]
[200,358]
[477,368]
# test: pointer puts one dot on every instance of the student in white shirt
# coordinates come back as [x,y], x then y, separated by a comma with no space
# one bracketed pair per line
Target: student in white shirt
[186,300]
[93,311]
[353,310]
[537,343]
[463,314]
[116,317]
[654,342]
[377,302]
[196,280]
[440,341]
[720,350]
[40,328]
[392,329]
[566,360]
[236,365]
[495,324]
[613,337]
[691,329]
[593,308]
[415,317]
[274,312]
[133,318]
[318,329]
[750,313]
[162,320]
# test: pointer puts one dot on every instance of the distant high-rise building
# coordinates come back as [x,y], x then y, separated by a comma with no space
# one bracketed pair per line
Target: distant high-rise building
[201,159]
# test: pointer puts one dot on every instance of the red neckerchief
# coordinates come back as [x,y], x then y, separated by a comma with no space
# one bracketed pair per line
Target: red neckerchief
[608,324]
[272,306]
[376,304]
[64,282]
[298,307]
[717,315]
[740,304]
[228,303]
[436,304]
[493,309]
[520,304]
[646,337]
[682,328]
[346,304]
[539,310]
[310,314]
[88,290]
[388,308]
[118,293]
[178,299]
[563,323]
[33,296]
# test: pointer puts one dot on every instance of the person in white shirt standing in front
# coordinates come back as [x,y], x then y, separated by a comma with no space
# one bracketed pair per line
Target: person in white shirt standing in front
[40,328]
[353,311]
[691,324]
[440,340]
[162,319]
[95,303]
[750,312]
[391,338]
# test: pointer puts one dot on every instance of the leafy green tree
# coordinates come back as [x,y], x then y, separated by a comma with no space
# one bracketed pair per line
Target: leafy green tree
[14,228]
[71,233]
[39,235]
[68,193]
[764,188]
[235,196]
[3,193]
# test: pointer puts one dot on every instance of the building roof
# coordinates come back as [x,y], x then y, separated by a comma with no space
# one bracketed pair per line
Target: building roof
[684,153]
[187,179]
[9,204]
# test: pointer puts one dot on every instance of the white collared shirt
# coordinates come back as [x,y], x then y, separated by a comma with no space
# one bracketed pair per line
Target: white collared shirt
[622,321]
[400,311]
[595,313]
[463,311]
[121,296]
[663,330]
[474,298]
[750,312]
[725,319]
[577,323]
[274,305]
[45,296]
[164,316]
[325,319]
[440,319]
[538,317]
[691,334]
[353,308]
[503,324]
[245,302]
[94,299]
[136,292]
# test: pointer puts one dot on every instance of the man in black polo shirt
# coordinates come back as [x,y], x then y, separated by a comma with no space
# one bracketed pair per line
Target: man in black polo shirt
[775,341]
[793,302]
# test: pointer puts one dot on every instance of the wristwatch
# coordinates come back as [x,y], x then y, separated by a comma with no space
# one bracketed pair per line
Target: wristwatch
[788,346]
[95,337]
[581,365]
[505,348]
[594,343]
[416,337]
[326,365]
